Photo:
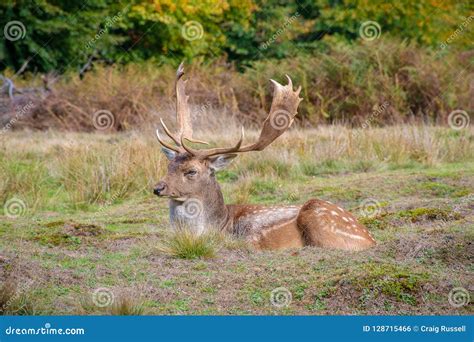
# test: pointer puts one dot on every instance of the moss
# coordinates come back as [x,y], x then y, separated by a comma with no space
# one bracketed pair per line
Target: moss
[443,190]
[374,223]
[57,239]
[396,282]
[428,214]
[59,234]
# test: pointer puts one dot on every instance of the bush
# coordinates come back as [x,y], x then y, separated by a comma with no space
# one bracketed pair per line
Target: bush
[363,84]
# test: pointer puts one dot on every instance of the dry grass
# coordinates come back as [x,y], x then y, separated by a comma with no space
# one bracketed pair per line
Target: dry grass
[78,235]
[185,244]
[342,84]
[126,305]
[60,171]
[13,301]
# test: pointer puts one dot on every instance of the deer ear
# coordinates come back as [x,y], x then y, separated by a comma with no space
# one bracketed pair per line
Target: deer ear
[220,162]
[170,154]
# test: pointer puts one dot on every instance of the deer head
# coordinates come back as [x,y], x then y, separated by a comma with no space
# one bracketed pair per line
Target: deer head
[191,171]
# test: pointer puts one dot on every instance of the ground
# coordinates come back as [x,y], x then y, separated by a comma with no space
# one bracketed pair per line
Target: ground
[64,259]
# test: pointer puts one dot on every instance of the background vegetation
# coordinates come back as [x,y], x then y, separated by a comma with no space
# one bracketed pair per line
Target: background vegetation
[86,221]
[416,59]
[60,31]
[79,222]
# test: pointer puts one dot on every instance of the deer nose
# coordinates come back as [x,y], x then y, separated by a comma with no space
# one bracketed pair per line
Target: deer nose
[159,188]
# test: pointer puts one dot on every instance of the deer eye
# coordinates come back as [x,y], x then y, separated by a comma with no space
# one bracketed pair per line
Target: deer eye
[190,173]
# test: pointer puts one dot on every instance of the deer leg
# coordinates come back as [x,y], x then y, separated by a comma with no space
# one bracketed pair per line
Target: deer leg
[326,225]
[280,236]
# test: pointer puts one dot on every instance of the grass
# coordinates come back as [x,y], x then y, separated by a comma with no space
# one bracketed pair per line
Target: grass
[126,306]
[14,301]
[388,82]
[185,244]
[91,221]
[46,171]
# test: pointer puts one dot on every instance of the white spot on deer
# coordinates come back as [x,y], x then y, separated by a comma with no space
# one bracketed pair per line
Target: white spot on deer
[334,213]
[350,219]
[345,219]
[340,209]
[354,225]
[352,236]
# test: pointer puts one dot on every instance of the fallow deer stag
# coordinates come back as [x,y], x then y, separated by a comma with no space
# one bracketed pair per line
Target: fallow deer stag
[195,198]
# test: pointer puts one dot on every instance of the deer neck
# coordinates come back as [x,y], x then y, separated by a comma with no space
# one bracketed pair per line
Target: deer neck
[201,213]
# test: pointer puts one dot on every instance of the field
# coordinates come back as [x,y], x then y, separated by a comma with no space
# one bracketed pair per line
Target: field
[82,233]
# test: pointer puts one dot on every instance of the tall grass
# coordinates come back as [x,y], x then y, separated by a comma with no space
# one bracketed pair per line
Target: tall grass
[13,301]
[345,83]
[185,244]
[60,171]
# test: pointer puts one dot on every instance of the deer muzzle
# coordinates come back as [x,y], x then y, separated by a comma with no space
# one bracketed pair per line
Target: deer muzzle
[159,188]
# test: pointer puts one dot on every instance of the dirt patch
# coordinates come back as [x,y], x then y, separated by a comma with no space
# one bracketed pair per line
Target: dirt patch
[68,234]
[78,229]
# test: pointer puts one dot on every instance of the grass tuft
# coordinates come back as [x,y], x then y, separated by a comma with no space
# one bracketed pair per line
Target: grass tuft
[185,244]
[126,305]
[13,301]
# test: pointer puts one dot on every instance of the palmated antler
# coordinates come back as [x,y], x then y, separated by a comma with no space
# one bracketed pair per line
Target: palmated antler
[183,117]
[282,113]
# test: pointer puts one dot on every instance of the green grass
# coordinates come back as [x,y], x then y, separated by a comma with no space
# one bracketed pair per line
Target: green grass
[391,281]
[185,244]
[76,236]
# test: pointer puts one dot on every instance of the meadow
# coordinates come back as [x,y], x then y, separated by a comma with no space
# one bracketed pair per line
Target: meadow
[82,233]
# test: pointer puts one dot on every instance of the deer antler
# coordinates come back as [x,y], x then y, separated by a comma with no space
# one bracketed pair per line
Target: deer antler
[282,113]
[183,117]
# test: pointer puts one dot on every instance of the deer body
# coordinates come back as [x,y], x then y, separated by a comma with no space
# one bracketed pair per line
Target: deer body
[196,199]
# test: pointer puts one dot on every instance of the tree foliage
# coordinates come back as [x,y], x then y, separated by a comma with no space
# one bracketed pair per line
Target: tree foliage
[60,35]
